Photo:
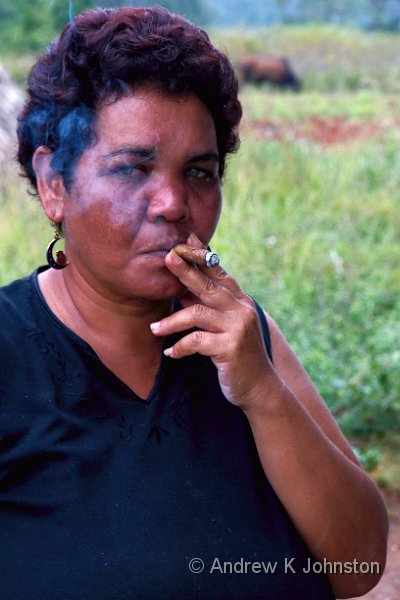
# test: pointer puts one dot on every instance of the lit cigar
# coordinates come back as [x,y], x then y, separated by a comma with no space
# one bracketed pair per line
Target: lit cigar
[198,256]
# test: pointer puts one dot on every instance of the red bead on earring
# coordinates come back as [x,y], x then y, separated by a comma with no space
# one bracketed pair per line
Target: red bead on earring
[60,262]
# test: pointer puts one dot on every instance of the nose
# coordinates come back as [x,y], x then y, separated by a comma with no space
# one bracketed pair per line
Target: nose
[168,201]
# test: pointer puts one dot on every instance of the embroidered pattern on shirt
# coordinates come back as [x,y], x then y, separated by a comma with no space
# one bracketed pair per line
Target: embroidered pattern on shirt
[157,432]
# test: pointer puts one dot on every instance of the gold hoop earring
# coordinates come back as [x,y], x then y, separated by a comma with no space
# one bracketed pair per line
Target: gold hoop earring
[60,262]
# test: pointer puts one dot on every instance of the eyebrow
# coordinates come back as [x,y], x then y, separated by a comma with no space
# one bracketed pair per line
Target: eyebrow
[151,154]
[205,157]
[143,153]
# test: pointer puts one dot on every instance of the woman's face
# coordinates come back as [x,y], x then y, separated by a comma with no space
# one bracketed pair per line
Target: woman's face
[150,179]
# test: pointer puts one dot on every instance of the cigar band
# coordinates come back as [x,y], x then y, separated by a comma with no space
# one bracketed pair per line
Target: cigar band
[211,259]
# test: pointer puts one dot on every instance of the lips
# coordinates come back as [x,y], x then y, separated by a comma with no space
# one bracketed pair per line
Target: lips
[165,246]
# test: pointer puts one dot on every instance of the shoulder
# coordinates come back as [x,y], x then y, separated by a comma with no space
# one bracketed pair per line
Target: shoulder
[15,298]
[18,311]
[15,288]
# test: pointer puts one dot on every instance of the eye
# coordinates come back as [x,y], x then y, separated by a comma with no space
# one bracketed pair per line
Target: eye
[126,170]
[198,173]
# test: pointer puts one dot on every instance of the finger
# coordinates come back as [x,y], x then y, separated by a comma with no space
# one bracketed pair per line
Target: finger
[198,315]
[200,342]
[208,290]
[217,273]
[188,299]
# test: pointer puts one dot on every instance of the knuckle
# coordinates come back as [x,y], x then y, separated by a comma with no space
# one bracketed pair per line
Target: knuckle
[251,324]
[233,346]
[222,275]
[249,311]
[210,286]
[247,322]
[198,336]
[198,310]
[227,280]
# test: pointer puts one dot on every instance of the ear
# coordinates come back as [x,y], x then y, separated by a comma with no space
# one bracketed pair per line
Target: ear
[50,185]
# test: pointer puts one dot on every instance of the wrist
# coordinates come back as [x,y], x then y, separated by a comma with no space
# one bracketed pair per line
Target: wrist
[267,398]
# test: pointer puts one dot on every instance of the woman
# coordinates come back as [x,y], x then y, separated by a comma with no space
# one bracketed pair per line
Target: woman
[160,439]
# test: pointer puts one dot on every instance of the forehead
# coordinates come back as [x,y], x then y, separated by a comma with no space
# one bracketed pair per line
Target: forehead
[152,117]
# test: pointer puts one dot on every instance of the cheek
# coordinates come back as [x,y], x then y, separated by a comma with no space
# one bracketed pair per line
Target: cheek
[206,216]
[125,216]
[106,213]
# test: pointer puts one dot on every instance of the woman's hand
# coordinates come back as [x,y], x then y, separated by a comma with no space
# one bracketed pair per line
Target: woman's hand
[228,331]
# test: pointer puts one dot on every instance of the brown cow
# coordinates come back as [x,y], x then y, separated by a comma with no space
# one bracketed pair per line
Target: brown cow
[271,69]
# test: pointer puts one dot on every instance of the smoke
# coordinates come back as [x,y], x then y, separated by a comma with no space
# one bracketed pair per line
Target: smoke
[74,135]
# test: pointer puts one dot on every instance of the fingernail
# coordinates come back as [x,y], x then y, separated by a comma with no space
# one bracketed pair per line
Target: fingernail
[168,352]
[155,326]
[193,240]
[175,259]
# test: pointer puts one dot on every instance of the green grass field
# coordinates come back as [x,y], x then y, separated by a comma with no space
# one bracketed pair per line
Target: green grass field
[309,227]
[318,245]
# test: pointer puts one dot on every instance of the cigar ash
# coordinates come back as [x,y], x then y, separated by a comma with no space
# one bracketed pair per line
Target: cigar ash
[198,256]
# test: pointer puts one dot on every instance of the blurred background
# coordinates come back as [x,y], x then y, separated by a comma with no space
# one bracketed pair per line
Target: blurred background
[311,224]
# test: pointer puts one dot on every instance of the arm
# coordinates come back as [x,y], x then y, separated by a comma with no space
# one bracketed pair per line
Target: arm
[333,503]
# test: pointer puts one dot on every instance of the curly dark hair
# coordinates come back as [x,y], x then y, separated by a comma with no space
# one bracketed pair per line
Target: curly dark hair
[103,53]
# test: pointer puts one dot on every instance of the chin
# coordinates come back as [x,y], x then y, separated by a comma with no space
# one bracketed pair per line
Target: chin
[162,288]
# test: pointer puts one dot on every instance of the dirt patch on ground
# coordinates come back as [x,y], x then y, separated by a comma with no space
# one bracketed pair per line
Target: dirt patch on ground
[322,130]
[389,586]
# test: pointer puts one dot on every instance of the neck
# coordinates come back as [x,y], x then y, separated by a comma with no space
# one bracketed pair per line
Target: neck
[98,318]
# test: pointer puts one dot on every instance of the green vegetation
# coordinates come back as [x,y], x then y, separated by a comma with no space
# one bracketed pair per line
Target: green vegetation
[365,105]
[24,232]
[29,25]
[309,229]
[317,245]
[326,57]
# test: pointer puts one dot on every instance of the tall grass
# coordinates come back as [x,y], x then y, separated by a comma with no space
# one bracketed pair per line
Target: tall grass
[316,242]
[24,231]
[326,57]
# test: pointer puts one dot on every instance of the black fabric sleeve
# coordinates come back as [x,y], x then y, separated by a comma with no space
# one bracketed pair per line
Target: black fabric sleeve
[265,329]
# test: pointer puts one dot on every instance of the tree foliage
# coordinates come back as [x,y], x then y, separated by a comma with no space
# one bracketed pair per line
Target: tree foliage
[29,25]
[25,24]
[63,11]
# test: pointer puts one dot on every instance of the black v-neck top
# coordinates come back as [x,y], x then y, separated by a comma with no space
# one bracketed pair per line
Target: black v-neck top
[105,496]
